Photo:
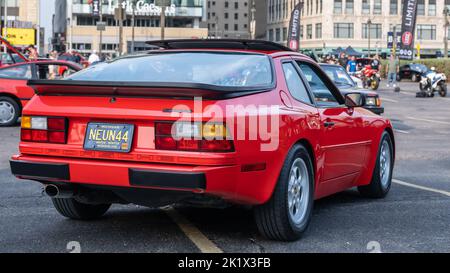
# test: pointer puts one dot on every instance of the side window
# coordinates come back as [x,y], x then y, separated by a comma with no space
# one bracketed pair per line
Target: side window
[43,72]
[322,95]
[16,72]
[53,72]
[295,84]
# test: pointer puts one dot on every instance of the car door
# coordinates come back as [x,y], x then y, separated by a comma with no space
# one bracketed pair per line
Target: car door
[343,140]
[14,81]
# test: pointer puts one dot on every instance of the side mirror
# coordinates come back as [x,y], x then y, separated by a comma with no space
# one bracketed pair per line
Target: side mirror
[354,100]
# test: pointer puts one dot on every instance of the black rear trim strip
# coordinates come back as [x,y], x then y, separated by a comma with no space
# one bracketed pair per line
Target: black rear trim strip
[166,179]
[40,170]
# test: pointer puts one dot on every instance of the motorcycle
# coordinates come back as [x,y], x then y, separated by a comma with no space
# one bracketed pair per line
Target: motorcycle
[370,77]
[432,82]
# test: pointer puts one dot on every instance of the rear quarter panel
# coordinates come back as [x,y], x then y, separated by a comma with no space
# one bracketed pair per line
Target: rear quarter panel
[17,88]
[375,126]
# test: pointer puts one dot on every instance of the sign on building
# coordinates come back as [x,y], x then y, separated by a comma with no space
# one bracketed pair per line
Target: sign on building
[390,39]
[406,51]
[20,36]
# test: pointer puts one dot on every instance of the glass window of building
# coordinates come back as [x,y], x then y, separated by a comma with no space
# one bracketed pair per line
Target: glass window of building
[426,32]
[270,35]
[365,7]
[421,7]
[278,35]
[349,5]
[432,8]
[309,31]
[337,6]
[375,31]
[319,31]
[343,30]
[285,30]
[393,7]
[377,7]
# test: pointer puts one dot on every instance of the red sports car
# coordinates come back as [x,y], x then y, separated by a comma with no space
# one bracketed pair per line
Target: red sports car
[232,121]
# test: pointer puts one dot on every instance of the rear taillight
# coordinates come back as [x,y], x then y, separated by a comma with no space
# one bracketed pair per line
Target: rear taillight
[44,129]
[186,136]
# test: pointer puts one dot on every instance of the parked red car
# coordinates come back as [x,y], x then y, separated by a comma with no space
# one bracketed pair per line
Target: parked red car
[272,131]
[15,70]
[14,91]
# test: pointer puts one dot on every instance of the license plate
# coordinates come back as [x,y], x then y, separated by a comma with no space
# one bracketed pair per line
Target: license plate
[109,137]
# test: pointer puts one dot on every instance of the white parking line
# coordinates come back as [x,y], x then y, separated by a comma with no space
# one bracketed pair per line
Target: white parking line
[430,120]
[446,193]
[194,234]
[390,100]
[401,131]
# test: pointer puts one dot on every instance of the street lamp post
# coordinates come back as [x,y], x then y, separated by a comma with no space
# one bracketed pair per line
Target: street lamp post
[163,4]
[133,23]
[253,21]
[5,22]
[446,25]
[369,23]
[100,13]
[121,18]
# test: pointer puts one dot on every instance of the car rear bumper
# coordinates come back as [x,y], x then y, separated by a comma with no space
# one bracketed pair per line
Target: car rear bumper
[227,182]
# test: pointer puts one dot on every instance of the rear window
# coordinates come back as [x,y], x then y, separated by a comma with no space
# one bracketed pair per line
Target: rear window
[220,69]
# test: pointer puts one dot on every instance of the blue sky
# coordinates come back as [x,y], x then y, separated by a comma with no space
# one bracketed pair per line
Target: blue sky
[47,9]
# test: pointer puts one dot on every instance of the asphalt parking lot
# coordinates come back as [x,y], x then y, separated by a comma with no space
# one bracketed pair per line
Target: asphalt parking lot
[415,217]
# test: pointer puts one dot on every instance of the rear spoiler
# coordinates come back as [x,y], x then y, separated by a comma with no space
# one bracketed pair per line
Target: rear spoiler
[140,89]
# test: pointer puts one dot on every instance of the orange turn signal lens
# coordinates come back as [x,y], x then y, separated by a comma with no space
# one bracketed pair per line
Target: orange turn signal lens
[26,122]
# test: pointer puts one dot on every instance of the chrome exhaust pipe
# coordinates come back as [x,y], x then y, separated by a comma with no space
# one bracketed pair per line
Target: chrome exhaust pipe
[54,191]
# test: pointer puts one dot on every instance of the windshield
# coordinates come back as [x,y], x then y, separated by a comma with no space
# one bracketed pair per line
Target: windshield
[214,68]
[338,75]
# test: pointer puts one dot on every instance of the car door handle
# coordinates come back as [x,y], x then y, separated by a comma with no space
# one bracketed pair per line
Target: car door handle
[328,124]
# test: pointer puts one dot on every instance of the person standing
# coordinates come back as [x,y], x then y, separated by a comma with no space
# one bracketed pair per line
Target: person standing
[375,64]
[53,55]
[32,53]
[342,60]
[94,58]
[393,67]
[351,66]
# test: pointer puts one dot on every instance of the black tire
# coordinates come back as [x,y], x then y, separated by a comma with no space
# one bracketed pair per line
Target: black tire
[399,78]
[375,83]
[16,108]
[273,219]
[376,188]
[71,208]
[443,90]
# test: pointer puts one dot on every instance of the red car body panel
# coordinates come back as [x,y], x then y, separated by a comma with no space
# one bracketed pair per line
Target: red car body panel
[344,156]
[18,88]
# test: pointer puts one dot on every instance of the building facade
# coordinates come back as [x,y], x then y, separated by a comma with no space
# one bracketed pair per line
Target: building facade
[329,24]
[183,20]
[229,18]
[19,21]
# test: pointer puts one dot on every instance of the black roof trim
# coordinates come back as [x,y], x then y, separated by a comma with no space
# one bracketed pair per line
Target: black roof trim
[219,44]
